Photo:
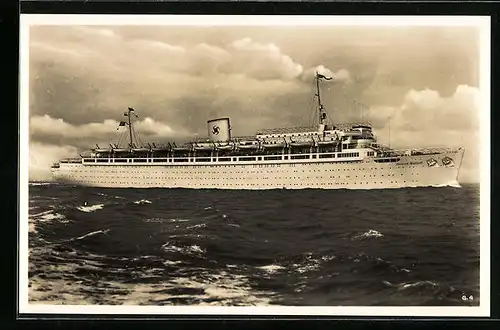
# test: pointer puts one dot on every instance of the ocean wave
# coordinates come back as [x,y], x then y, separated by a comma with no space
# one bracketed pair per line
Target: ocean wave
[216,289]
[418,284]
[451,184]
[90,208]
[41,183]
[305,263]
[51,216]
[171,262]
[328,257]
[106,195]
[310,264]
[143,201]
[325,264]
[40,214]
[406,286]
[369,234]
[200,225]
[271,268]
[189,250]
[225,289]
[158,220]
[47,216]
[105,232]
[178,220]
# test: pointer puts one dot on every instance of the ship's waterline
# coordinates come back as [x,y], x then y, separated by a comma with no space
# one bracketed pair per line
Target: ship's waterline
[313,172]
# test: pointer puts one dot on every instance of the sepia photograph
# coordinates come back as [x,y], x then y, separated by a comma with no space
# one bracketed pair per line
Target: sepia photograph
[327,165]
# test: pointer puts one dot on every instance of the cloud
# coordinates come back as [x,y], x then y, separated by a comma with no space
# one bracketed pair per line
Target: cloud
[42,156]
[154,44]
[46,125]
[427,119]
[154,128]
[62,139]
[107,33]
[128,59]
[60,50]
[56,129]
[427,110]
[259,76]
[261,61]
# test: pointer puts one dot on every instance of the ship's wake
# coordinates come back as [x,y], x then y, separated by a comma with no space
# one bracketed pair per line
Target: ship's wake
[90,208]
[453,185]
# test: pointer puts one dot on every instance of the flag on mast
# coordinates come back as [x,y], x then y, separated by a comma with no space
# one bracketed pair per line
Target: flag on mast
[319,75]
[122,123]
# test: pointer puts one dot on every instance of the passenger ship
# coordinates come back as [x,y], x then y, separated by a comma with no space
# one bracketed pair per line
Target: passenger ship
[337,156]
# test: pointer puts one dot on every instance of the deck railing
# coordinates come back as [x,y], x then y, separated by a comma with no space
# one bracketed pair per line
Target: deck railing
[345,156]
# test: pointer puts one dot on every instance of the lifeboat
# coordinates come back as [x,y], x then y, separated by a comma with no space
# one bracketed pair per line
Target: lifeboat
[116,149]
[155,148]
[228,146]
[301,143]
[159,149]
[119,150]
[101,150]
[203,147]
[274,145]
[327,142]
[181,148]
[249,145]
[140,149]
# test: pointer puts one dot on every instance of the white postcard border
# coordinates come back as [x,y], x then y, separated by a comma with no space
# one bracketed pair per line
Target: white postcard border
[481,22]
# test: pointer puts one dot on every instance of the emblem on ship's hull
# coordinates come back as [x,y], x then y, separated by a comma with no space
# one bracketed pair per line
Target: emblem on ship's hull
[432,162]
[448,162]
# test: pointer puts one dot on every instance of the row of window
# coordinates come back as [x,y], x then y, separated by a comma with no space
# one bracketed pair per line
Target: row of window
[126,170]
[222,159]
[285,135]
[149,177]
[216,184]
[348,154]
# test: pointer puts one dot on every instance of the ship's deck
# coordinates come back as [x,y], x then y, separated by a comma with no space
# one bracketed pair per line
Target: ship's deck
[345,156]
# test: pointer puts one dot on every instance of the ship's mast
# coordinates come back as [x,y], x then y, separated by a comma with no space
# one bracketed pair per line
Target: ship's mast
[127,114]
[321,112]
[320,105]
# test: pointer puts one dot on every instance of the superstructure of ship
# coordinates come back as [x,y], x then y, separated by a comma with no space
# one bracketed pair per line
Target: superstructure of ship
[325,156]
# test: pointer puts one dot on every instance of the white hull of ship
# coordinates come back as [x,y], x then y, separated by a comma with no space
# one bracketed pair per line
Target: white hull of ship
[409,171]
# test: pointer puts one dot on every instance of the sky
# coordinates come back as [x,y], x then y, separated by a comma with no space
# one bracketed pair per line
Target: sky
[419,85]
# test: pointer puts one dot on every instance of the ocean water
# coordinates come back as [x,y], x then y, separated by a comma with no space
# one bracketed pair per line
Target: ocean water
[394,247]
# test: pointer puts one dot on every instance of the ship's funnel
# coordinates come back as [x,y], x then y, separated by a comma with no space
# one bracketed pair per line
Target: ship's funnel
[219,130]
